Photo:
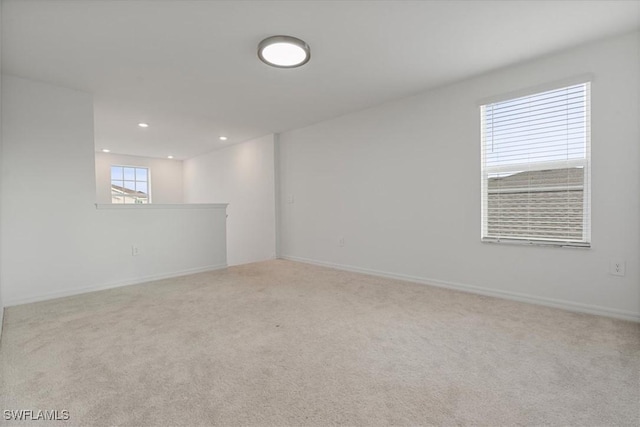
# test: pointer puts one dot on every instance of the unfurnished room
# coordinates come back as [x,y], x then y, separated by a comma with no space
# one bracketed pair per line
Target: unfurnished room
[315,213]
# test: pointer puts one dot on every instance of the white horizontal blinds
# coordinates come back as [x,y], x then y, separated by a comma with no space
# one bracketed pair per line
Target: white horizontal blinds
[535,167]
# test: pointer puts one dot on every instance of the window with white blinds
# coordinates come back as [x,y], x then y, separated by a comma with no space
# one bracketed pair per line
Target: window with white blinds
[536,168]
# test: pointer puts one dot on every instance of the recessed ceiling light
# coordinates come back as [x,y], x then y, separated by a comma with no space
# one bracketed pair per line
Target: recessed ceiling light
[169,157]
[105,150]
[284,52]
[223,138]
[143,125]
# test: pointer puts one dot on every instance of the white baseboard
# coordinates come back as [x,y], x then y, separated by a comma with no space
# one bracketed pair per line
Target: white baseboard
[515,296]
[268,258]
[135,281]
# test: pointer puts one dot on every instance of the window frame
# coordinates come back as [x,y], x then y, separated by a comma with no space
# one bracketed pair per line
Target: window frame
[148,181]
[585,163]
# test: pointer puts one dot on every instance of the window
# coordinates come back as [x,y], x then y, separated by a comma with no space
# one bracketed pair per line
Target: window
[130,184]
[536,168]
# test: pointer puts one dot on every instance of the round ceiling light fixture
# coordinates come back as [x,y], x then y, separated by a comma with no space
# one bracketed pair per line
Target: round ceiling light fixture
[284,52]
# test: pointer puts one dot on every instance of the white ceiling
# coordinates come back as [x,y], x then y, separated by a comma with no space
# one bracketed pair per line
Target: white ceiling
[189,68]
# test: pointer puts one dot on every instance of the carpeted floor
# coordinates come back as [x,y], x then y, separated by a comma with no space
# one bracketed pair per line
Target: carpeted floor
[282,343]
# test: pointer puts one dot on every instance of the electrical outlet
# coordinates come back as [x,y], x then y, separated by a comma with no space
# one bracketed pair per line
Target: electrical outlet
[290,198]
[135,251]
[617,267]
[341,241]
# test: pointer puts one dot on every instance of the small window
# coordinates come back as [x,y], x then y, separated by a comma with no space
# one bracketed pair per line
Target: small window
[536,168]
[130,184]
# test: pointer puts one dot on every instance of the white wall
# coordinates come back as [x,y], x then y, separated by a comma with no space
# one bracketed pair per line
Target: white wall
[165,174]
[243,176]
[401,184]
[53,239]
[1,300]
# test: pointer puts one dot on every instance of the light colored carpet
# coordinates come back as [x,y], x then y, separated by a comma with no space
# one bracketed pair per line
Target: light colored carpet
[283,343]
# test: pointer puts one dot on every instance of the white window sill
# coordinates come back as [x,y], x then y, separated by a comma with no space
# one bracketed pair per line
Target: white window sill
[521,242]
[161,206]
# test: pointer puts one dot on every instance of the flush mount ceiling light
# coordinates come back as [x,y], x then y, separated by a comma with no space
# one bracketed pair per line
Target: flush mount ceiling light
[284,52]
[169,157]
[106,150]
[143,125]
[223,138]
